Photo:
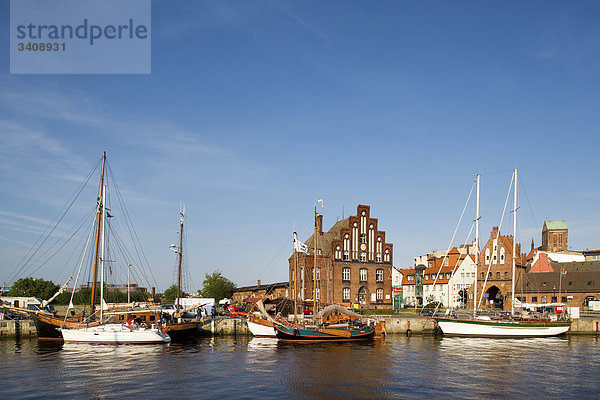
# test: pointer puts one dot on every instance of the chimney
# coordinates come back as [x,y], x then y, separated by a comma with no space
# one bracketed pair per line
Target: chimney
[319,223]
[258,282]
[153,292]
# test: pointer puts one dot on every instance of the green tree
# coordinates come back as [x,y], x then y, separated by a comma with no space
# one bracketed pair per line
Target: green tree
[216,286]
[29,287]
[170,294]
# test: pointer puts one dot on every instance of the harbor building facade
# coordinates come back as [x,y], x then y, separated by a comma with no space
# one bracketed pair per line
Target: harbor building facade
[354,264]
[440,278]
[494,272]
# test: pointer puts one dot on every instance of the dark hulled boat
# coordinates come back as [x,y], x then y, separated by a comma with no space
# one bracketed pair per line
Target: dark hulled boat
[324,334]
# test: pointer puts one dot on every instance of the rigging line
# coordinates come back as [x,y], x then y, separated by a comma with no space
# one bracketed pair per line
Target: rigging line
[520,179]
[27,257]
[79,225]
[80,265]
[132,232]
[497,236]
[502,171]
[453,236]
[286,243]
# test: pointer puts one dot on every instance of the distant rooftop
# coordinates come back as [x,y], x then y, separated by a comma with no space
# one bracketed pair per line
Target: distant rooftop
[555,225]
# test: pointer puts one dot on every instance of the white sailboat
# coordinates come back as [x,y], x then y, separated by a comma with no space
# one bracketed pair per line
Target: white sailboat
[484,326]
[134,331]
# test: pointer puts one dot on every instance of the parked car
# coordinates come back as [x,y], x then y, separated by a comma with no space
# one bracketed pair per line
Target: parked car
[236,308]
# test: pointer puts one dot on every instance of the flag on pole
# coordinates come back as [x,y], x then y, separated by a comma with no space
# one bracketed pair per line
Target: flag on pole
[299,246]
[319,201]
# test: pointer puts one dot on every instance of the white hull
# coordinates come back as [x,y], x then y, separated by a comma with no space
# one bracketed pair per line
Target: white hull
[114,334]
[261,330]
[501,329]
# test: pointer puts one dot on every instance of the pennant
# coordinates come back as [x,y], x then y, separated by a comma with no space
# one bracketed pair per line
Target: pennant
[70,305]
[104,305]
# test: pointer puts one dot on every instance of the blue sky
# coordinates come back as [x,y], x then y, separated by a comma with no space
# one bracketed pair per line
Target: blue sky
[254,110]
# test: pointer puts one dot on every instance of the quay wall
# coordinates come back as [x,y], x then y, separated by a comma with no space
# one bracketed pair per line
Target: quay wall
[23,327]
[394,325]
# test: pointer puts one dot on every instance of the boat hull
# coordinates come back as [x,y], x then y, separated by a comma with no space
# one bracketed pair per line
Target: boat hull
[321,335]
[261,328]
[181,331]
[114,334]
[475,328]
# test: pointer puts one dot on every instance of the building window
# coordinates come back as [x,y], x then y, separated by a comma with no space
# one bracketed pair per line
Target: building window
[318,294]
[426,277]
[346,294]
[346,255]
[363,257]
[589,283]
[506,275]
[487,255]
[319,252]
[446,262]
[379,275]
[318,273]
[570,283]
[410,278]
[554,299]
[502,255]
[378,257]
[363,274]
[379,294]
[563,299]
[363,238]
[448,274]
[497,275]
[543,299]
[534,299]
[483,275]
[346,274]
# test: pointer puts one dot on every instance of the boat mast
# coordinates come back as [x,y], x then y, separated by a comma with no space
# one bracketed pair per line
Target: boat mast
[476,249]
[181,217]
[315,268]
[295,282]
[514,252]
[100,211]
[102,263]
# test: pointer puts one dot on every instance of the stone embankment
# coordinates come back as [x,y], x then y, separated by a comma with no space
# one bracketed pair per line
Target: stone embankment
[237,326]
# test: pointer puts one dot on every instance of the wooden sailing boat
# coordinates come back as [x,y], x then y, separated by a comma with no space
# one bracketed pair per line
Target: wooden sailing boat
[514,326]
[180,329]
[47,324]
[319,331]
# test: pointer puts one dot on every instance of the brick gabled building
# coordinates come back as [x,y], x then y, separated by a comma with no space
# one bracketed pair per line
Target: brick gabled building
[354,264]
[495,260]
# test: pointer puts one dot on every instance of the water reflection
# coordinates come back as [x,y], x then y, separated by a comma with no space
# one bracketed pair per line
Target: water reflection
[245,367]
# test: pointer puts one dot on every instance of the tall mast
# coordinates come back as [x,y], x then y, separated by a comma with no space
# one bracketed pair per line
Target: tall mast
[476,249]
[181,217]
[102,262]
[315,268]
[514,254]
[99,213]
[295,272]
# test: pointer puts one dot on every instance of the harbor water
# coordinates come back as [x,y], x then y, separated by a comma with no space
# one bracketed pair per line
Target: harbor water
[262,368]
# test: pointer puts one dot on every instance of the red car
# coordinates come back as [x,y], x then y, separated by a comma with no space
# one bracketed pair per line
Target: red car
[236,308]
